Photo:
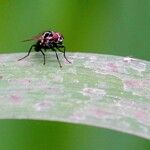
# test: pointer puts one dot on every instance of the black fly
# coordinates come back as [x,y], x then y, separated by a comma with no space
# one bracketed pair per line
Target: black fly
[48,40]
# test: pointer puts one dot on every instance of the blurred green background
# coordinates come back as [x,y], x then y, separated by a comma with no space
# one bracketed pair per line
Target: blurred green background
[118,27]
[43,135]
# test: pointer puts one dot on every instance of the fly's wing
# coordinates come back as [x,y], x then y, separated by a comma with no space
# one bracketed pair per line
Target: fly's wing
[34,38]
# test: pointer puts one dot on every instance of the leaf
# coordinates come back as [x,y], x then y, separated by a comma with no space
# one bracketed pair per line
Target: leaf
[99,90]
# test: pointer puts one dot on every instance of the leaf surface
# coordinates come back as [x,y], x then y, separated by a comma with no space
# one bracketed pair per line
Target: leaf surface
[99,90]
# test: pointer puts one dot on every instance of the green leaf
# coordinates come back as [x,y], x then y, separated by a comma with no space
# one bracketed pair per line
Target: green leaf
[99,90]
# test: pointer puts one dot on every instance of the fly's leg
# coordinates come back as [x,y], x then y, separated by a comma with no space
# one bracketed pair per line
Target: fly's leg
[57,57]
[63,51]
[58,60]
[28,53]
[43,56]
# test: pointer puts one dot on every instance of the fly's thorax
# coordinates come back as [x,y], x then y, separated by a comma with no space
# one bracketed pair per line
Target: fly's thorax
[51,37]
